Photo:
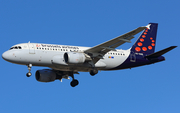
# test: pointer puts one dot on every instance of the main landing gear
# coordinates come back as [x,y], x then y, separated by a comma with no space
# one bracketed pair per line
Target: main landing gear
[74,82]
[29,68]
[93,72]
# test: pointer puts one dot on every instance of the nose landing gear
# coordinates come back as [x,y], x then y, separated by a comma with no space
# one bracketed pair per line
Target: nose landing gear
[29,68]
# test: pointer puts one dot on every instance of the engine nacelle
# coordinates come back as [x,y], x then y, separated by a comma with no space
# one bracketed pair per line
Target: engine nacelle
[75,58]
[58,59]
[45,75]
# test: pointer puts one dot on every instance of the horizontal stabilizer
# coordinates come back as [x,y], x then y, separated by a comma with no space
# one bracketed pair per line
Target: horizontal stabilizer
[159,53]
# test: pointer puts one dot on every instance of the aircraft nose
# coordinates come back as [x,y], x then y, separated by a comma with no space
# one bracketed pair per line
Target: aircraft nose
[6,56]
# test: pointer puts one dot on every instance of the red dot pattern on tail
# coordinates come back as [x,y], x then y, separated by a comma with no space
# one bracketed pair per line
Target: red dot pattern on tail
[143,36]
[153,44]
[149,47]
[142,40]
[144,49]
[138,49]
[140,44]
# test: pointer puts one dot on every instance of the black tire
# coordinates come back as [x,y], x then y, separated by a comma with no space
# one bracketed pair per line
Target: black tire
[74,83]
[28,74]
[93,72]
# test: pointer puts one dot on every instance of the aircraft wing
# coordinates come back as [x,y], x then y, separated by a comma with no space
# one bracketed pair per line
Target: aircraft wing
[97,52]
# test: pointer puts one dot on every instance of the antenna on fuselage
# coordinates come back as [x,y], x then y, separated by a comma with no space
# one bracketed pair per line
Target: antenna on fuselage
[29,42]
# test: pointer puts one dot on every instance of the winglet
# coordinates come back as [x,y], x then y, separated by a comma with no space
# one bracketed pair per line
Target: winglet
[159,53]
[148,26]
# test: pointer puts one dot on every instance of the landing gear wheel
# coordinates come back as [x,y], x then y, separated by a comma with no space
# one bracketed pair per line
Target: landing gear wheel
[93,72]
[74,83]
[28,74]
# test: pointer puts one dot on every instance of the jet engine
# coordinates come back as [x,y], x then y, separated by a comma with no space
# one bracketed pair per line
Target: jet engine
[45,75]
[76,58]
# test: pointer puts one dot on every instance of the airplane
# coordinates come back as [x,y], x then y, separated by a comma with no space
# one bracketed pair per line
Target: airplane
[64,61]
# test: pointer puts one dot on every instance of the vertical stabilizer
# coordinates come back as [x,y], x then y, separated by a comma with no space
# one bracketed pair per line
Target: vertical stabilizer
[147,40]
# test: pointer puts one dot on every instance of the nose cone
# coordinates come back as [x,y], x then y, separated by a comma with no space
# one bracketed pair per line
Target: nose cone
[5,55]
[12,56]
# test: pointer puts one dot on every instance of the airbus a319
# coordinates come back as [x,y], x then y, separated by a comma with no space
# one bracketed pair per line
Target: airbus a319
[65,61]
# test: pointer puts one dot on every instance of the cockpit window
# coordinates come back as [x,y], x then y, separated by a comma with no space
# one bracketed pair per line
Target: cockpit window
[11,48]
[16,47]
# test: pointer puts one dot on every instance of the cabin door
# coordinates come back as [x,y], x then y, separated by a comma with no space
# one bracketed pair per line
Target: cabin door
[31,48]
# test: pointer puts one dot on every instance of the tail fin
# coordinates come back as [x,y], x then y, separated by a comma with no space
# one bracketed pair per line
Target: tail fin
[147,40]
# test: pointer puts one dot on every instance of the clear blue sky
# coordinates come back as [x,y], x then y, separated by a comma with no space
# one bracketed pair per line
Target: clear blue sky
[149,89]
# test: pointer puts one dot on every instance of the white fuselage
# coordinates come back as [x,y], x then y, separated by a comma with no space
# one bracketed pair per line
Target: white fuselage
[49,55]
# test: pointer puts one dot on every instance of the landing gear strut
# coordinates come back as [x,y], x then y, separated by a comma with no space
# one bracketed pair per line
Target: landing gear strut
[74,82]
[29,68]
